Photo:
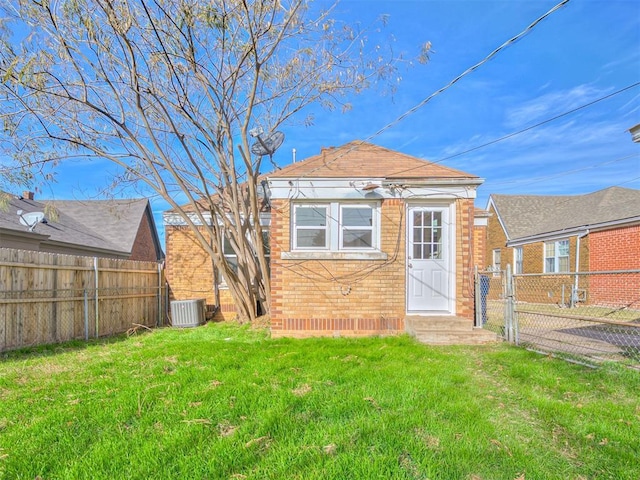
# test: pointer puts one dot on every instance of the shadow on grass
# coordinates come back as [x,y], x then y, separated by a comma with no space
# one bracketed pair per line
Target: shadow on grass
[53,349]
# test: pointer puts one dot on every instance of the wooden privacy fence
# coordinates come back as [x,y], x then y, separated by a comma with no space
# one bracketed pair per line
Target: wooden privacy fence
[48,298]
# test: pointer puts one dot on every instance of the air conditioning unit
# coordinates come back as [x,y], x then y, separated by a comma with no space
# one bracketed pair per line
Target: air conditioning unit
[187,313]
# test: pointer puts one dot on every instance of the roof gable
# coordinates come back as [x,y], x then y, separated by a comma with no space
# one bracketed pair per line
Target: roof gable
[359,159]
[109,226]
[530,215]
[116,221]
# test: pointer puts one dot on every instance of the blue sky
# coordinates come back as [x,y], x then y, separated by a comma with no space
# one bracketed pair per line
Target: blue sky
[583,52]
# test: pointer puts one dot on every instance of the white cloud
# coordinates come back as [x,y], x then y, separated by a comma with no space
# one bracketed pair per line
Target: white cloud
[551,104]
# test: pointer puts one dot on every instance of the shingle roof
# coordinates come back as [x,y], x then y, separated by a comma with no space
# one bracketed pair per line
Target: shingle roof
[359,159]
[529,215]
[364,160]
[116,221]
[109,225]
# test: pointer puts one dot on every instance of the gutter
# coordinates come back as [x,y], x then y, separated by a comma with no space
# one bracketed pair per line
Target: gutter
[569,232]
[428,182]
[91,251]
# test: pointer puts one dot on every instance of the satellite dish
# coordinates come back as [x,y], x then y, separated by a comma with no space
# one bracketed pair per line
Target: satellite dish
[31,219]
[267,145]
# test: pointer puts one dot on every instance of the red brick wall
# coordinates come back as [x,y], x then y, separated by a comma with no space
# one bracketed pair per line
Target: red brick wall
[615,249]
[144,248]
[465,260]
[355,297]
[480,247]
[189,271]
[352,297]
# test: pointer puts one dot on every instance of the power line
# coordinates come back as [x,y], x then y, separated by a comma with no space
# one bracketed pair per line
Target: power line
[468,71]
[505,137]
[538,124]
[567,172]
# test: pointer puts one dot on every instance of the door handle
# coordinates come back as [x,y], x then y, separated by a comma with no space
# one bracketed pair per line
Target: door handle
[410,265]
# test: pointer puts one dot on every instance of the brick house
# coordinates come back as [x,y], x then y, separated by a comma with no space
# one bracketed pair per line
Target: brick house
[121,229]
[595,232]
[361,238]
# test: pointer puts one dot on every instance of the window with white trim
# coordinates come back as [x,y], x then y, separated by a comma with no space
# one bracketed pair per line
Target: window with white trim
[356,226]
[556,256]
[311,227]
[335,226]
[232,258]
[497,260]
[518,260]
[229,254]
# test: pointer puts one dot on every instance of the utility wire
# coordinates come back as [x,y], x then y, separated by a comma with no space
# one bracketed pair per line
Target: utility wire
[561,174]
[505,137]
[468,71]
[539,124]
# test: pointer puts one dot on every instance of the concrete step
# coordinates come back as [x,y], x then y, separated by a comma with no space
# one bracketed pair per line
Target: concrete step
[441,330]
[479,337]
[426,324]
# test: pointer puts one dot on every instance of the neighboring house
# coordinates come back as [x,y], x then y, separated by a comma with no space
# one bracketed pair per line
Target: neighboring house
[361,238]
[481,224]
[121,229]
[594,232]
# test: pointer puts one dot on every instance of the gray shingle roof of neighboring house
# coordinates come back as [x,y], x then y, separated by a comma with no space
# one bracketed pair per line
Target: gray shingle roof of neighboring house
[106,227]
[524,216]
[116,221]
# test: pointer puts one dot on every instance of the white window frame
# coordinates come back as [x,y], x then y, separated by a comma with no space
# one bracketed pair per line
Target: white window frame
[295,228]
[222,282]
[556,257]
[343,227]
[518,260]
[335,229]
[496,266]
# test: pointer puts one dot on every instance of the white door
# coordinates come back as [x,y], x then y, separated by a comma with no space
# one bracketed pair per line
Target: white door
[428,260]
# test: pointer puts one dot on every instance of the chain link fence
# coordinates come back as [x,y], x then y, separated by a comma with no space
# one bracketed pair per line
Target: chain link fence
[38,317]
[587,317]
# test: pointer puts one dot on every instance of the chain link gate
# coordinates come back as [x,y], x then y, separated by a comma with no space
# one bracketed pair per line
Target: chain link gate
[587,317]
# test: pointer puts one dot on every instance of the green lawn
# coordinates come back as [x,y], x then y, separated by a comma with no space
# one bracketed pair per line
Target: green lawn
[223,401]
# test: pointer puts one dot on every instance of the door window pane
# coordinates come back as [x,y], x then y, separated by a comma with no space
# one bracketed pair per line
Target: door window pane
[427,235]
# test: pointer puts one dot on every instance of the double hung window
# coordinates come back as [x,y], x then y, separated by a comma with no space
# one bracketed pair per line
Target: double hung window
[518,260]
[335,226]
[556,257]
[311,227]
[232,258]
[356,226]
[497,262]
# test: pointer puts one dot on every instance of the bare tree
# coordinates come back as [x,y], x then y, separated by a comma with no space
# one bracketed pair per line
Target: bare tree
[169,89]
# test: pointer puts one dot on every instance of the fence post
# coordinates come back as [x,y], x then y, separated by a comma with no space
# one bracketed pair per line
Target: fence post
[508,305]
[95,269]
[166,302]
[477,297]
[159,319]
[86,314]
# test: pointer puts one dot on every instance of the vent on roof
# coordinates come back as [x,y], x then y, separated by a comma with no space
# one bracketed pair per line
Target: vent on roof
[187,313]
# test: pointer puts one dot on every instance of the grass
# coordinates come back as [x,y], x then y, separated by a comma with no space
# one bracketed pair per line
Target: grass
[227,402]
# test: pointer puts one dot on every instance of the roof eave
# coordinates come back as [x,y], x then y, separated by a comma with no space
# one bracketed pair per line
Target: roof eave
[428,181]
[569,232]
[491,203]
[23,234]
[86,248]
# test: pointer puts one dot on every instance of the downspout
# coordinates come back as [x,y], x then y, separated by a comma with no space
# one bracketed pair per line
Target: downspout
[576,276]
